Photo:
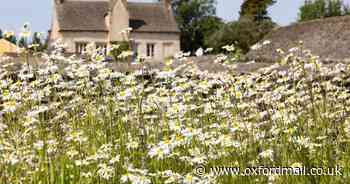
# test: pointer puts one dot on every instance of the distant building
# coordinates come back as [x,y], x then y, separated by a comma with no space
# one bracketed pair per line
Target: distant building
[7,47]
[154,34]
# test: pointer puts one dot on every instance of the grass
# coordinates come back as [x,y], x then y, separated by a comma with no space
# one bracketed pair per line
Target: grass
[85,123]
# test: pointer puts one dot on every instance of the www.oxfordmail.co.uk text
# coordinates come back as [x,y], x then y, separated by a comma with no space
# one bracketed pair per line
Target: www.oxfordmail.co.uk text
[269,171]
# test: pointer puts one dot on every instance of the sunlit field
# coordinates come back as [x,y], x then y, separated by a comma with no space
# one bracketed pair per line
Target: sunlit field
[77,121]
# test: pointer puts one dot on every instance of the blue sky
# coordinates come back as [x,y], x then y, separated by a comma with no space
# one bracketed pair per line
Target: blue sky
[38,12]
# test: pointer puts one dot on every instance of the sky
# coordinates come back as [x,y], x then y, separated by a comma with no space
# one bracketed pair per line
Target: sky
[14,13]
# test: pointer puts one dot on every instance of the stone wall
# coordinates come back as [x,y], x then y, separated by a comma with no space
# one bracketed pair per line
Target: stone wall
[71,38]
[119,21]
[166,44]
[328,38]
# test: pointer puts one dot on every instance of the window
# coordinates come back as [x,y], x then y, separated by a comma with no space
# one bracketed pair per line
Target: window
[135,47]
[80,47]
[150,50]
[102,46]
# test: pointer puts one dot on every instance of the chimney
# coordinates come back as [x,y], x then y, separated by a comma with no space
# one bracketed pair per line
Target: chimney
[117,19]
[125,2]
[59,1]
[113,2]
[167,4]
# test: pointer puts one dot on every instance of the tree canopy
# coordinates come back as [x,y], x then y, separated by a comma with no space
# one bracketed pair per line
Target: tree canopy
[197,20]
[243,34]
[253,24]
[36,38]
[256,9]
[315,9]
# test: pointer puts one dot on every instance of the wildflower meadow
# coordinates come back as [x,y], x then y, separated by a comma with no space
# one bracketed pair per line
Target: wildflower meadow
[72,120]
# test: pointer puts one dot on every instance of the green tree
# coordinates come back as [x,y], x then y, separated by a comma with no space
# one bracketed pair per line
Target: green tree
[22,42]
[256,10]
[197,20]
[253,25]
[38,44]
[315,9]
[243,34]
[11,38]
[0,34]
[37,39]
[335,8]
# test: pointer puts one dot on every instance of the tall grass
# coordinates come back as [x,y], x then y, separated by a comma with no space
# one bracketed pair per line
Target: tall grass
[84,123]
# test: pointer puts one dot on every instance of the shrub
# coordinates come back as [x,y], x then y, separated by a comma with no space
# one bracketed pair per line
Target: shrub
[243,33]
[118,47]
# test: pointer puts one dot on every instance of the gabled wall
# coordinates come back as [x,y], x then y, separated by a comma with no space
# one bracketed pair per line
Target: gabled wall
[166,44]
[71,38]
[119,20]
[54,34]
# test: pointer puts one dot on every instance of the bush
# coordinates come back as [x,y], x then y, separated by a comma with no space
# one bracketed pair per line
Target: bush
[118,48]
[243,33]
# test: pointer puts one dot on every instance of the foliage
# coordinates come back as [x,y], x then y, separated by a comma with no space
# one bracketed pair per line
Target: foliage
[244,33]
[73,121]
[22,42]
[256,10]
[24,37]
[33,43]
[38,44]
[11,37]
[196,20]
[322,9]
[118,47]
[253,25]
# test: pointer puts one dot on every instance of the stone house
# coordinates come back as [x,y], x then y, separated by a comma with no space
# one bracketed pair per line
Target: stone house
[154,35]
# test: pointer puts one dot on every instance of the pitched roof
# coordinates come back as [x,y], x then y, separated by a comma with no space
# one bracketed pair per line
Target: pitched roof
[7,47]
[81,16]
[89,16]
